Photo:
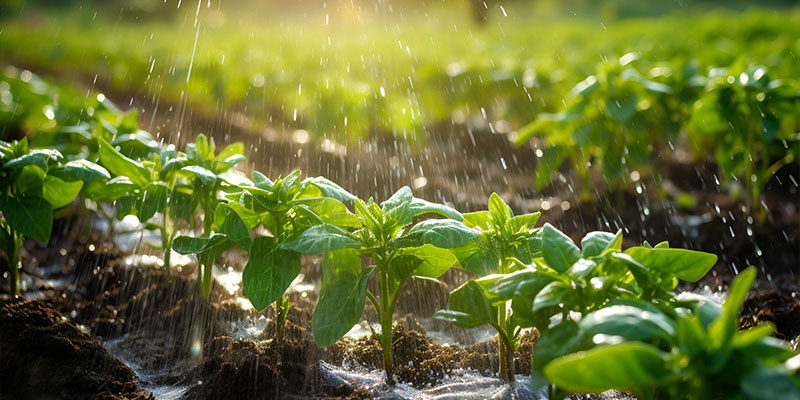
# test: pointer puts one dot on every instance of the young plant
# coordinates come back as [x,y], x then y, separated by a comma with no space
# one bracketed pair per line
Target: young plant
[398,248]
[35,183]
[565,281]
[144,189]
[227,229]
[609,122]
[505,244]
[285,208]
[691,352]
[208,175]
[750,121]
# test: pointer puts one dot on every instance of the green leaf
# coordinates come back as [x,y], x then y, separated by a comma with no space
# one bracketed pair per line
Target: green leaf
[120,165]
[624,366]
[330,211]
[420,206]
[481,220]
[596,243]
[558,250]
[522,223]
[632,323]
[114,189]
[331,189]
[342,296]
[153,200]
[262,182]
[79,170]
[231,150]
[769,383]
[561,340]
[37,157]
[442,233]
[724,327]
[552,295]
[397,208]
[525,282]
[59,193]
[499,211]
[688,265]
[321,239]
[206,177]
[269,272]
[435,261]
[477,257]
[468,307]
[216,244]
[232,225]
[30,215]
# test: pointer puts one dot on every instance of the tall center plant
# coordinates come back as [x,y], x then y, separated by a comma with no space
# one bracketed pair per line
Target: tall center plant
[396,249]
[505,243]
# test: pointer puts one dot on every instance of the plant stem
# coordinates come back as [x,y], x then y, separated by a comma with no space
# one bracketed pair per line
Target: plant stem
[13,262]
[386,325]
[282,306]
[504,348]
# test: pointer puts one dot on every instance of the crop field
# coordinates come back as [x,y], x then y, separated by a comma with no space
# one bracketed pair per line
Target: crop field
[398,199]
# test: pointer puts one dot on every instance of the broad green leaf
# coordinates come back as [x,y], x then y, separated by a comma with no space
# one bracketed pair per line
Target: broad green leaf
[435,261]
[233,149]
[321,239]
[37,157]
[331,189]
[723,329]
[562,339]
[269,272]
[477,257]
[79,170]
[558,250]
[769,383]
[153,200]
[397,208]
[262,182]
[331,211]
[113,189]
[250,218]
[688,265]
[522,223]
[420,206]
[581,269]
[552,295]
[632,323]
[481,220]
[342,296]
[206,177]
[30,181]
[596,243]
[119,165]
[59,193]
[30,215]
[525,282]
[216,243]
[442,233]
[231,224]
[624,366]
[499,211]
[468,307]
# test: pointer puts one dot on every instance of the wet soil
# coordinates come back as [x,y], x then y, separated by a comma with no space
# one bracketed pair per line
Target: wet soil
[46,356]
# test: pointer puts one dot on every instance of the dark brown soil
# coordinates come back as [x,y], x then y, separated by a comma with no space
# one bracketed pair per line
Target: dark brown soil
[779,308]
[46,356]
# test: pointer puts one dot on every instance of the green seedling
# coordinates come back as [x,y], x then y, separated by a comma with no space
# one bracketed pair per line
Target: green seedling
[750,122]
[145,189]
[608,122]
[505,244]
[34,184]
[691,352]
[285,208]
[397,248]
[228,229]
